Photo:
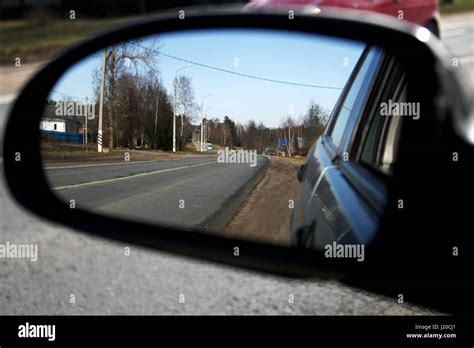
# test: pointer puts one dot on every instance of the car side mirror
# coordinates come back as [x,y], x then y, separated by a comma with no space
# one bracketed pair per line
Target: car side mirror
[300,172]
[106,198]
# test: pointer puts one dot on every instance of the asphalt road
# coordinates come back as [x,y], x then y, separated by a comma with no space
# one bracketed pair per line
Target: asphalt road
[183,193]
[105,281]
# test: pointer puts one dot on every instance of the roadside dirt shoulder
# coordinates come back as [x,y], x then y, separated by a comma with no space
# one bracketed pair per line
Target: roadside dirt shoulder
[265,213]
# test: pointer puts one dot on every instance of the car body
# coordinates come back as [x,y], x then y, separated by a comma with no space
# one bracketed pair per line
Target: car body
[421,12]
[210,147]
[343,181]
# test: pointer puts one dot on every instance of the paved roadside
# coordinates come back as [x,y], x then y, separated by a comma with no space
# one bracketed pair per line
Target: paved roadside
[14,78]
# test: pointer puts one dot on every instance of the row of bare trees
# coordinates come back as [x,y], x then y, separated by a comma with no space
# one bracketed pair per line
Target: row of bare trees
[300,136]
[292,137]
[138,111]
[125,89]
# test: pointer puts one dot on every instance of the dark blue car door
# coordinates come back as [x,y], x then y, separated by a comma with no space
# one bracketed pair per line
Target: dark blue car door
[336,210]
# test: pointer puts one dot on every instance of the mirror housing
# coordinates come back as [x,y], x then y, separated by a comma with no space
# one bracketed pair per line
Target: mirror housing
[300,172]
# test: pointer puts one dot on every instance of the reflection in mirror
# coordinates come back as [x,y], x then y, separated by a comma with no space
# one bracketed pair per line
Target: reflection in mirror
[216,131]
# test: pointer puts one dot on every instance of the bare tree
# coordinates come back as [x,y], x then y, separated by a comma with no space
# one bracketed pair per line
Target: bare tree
[187,106]
[313,124]
[123,59]
[288,133]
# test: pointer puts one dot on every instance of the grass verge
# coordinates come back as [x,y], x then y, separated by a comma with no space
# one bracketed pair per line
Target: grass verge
[456,6]
[35,41]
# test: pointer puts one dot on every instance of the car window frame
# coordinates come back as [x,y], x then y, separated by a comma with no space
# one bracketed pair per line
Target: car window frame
[391,71]
[371,76]
[394,125]
[372,184]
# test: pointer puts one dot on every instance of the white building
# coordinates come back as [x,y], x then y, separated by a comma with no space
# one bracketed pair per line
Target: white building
[55,125]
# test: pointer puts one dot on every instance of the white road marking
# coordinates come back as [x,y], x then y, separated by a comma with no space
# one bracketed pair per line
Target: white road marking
[103,164]
[113,164]
[128,177]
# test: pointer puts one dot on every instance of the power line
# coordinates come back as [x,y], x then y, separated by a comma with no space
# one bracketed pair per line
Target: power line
[236,73]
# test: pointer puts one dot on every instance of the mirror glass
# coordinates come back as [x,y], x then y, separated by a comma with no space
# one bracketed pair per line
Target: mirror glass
[219,131]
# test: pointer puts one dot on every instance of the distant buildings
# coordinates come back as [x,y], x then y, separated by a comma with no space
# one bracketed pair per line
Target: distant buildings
[64,128]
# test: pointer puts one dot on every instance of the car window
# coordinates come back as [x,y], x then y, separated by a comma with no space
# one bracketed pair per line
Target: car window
[390,150]
[379,148]
[349,107]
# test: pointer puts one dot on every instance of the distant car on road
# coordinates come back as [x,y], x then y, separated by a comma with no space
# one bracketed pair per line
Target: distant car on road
[422,12]
[269,151]
[210,147]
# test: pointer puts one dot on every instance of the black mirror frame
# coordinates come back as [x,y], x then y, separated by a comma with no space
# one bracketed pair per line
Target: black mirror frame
[29,187]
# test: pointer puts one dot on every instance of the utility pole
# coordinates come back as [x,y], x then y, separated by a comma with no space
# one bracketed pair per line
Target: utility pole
[101,101]
[209,126]
[205,127]
[201,147]
[156,116]
[175,83]
[174,112]
[87,116]
[202,120]
[156,112]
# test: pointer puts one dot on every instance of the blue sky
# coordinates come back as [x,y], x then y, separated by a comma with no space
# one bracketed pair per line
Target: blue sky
[283,56]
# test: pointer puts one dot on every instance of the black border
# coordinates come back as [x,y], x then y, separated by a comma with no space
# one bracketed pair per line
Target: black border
[290,331]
